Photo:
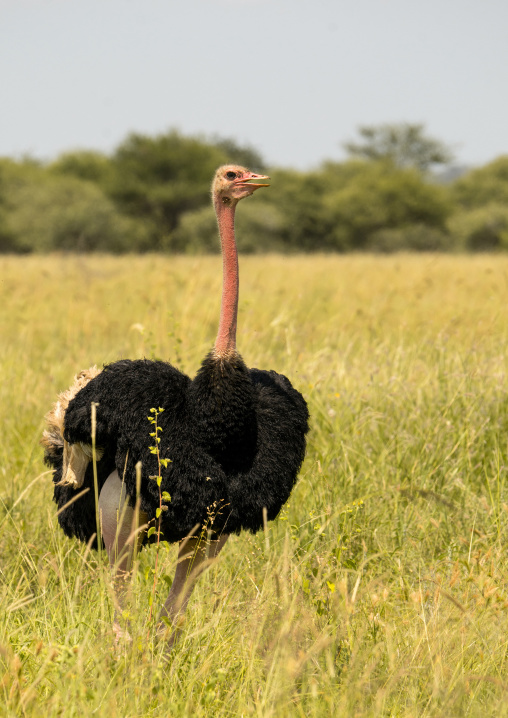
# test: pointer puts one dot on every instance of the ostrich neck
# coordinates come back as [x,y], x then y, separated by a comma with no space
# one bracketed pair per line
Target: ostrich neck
[225,344]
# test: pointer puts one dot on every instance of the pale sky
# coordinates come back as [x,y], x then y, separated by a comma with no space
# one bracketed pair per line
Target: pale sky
[292,78]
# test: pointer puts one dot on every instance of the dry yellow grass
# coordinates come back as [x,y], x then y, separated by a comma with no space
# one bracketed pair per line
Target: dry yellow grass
[381,589]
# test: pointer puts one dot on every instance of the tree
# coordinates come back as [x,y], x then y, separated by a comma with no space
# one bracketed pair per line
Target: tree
[484,185]
[380,196]
[260,229]
[481,229]
[305,225]
[46,211]
[403,144]
[160,178]
[236,154]
[84,164]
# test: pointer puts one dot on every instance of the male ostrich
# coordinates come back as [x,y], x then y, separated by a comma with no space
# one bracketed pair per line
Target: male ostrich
[234,437]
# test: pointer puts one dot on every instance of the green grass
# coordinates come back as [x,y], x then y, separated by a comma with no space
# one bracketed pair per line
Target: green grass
[381,590]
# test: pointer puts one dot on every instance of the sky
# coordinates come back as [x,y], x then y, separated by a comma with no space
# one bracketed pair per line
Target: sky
[294,79]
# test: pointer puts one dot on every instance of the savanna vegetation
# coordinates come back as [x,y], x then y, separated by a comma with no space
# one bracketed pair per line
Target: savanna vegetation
[381,589]
[152,194]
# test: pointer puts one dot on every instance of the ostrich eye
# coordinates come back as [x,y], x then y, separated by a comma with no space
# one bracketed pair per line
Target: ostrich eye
[231,175]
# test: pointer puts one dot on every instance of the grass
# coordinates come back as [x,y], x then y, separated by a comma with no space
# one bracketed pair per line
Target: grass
[381,590]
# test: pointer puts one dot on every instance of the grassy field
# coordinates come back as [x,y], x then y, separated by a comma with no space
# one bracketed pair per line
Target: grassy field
[381,590]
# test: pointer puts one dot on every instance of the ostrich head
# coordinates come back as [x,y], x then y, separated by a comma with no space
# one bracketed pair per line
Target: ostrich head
[232,183]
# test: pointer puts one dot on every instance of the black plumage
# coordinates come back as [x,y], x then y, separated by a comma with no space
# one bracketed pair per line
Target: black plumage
[235,439]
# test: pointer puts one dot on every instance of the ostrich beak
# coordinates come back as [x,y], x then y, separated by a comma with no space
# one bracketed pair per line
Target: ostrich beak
[253,180]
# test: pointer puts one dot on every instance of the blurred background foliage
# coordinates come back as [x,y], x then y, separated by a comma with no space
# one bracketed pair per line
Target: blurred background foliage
[398,190]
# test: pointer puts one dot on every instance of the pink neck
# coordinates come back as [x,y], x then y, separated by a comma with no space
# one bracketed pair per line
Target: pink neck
[225,344]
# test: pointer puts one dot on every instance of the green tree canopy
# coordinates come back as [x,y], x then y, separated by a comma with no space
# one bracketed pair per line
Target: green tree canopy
[379,196]
[482,228]
[237,154]
[84,164]
[46,211]
[340,206]
[153,193]
[483,185]
[406,145]
[160,178]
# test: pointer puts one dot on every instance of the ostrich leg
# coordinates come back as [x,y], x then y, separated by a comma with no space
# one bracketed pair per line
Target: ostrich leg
[194,556]
[120,525]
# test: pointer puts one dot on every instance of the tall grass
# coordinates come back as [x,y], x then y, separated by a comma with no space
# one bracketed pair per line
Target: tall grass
[381,590]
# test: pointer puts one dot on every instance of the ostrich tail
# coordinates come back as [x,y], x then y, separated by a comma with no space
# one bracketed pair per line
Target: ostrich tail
[52,437]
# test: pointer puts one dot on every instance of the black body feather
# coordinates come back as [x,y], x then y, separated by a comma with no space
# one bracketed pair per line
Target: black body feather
[235,438]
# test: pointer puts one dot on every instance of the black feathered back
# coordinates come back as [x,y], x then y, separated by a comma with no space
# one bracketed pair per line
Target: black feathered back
[235,439]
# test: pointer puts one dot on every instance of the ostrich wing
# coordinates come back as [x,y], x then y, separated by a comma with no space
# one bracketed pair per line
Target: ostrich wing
[126,393]
[282,423]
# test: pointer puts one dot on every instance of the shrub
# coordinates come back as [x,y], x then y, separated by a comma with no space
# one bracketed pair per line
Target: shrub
[65,213]
[483,186]
[416,237]
[383,197]
[197,232]
[259,228]
[481,229]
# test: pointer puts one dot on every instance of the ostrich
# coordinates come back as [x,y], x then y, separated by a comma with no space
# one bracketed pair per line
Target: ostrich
[226,446]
